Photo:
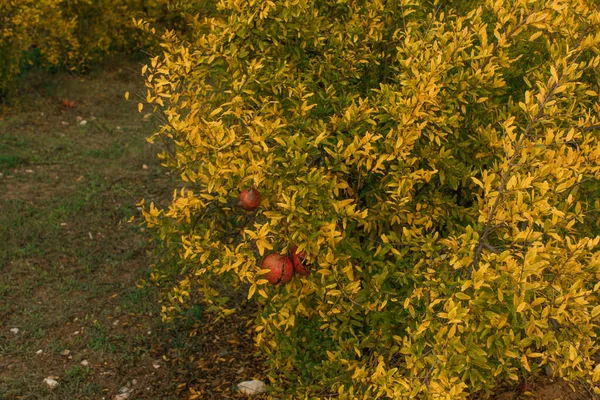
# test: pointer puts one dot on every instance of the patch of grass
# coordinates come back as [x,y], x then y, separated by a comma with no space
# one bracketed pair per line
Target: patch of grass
[76,374]
[56,346]
[4,289]
[8,161]
[69,263]
[99,339]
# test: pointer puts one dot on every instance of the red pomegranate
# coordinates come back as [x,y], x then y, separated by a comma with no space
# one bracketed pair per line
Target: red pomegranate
[280,268]
[249,199]
[297,258]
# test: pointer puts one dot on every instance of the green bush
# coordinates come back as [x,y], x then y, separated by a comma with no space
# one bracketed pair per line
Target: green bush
[438,163]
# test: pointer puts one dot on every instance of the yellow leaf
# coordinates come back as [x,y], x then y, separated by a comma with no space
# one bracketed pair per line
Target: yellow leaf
[525,362]
[572,353]
[251,291]
[535,36]
[596,374]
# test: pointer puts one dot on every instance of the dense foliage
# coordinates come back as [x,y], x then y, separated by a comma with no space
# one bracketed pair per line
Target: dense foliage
[74,33]
[437,162]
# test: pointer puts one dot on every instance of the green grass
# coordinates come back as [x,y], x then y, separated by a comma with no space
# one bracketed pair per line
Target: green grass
[69,260]
[70,264]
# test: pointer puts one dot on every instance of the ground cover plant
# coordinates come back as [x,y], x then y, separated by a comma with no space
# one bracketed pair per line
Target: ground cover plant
[435,162]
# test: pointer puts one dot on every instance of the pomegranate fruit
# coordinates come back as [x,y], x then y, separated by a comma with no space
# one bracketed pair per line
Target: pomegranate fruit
[249,199]
[297,259]
[280,268]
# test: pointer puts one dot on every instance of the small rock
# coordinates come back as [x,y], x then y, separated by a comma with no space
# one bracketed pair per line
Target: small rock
[14,331]
[251,388]
[116,322]
[124,393]
[134,382]
[51,383]
[83,122]
[85,363]
[29,171]
[156,364]
[65,353]
[144,166]
[39,352]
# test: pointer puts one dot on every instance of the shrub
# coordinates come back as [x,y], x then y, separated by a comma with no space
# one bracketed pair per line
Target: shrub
[437,163]
[29,26]
[72,34]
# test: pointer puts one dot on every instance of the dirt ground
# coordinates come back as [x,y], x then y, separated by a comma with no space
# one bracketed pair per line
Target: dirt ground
[73,166]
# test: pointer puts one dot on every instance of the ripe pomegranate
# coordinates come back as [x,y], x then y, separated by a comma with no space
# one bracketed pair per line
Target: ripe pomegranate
[297,258]
[281,268]
[249,199]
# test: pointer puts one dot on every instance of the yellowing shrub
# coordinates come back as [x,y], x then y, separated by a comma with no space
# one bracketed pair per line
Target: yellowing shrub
[438,164]
[25,24]
[72,33]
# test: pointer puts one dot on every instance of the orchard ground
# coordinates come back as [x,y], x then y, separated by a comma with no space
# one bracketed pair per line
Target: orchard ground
[72,269]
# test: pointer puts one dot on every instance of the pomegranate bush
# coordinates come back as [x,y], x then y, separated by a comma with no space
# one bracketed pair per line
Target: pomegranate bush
[437,165]
[73,34]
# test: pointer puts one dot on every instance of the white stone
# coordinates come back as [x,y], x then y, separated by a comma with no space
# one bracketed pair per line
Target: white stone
[83,122]
[51,383]
[65,353]
[85,363]
[14,331]
[124,393]
[251,388]
[39,352]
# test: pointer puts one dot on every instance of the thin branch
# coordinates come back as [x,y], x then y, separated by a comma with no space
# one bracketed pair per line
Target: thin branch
[590,128]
